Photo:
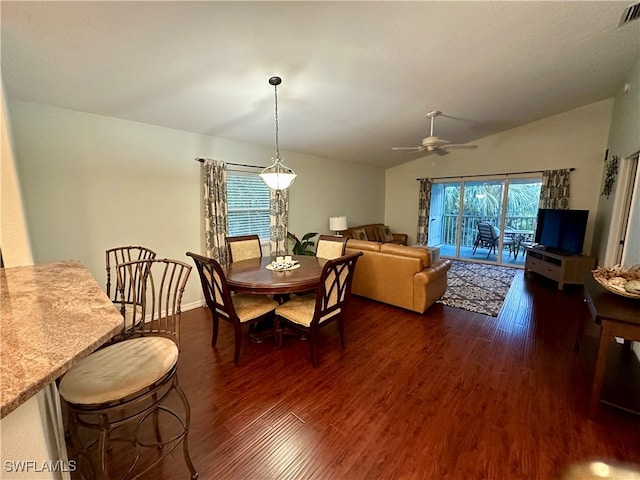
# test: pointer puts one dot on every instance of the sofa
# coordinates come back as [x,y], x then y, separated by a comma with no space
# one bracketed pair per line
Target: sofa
[376,232]
[398,275]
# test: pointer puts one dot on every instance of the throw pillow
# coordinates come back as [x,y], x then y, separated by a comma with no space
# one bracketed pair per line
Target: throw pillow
[385,234]
[360,234]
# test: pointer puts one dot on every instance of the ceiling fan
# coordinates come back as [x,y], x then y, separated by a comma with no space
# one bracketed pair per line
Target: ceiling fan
[433,143]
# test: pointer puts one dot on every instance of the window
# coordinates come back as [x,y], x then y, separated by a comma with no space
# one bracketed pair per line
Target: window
[509,204]
[248,205]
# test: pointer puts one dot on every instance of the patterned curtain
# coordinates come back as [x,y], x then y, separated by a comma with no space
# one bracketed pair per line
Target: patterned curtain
[215,210]
[555,189]
[424,204]
[278,220]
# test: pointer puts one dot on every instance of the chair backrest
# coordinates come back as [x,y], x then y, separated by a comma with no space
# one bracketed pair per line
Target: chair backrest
[214,286]
[334,289]
[116,256]
[487,232]
[156,291]
[330,246]
[244,247]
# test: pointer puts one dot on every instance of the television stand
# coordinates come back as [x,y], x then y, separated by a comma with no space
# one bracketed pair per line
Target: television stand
[564,269]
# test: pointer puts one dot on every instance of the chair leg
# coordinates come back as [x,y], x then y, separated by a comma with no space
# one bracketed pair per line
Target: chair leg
[341,331]
[277,331]
[238,337]
[214,334]
[103,443]
[187,423]
[156,424]
[313,339]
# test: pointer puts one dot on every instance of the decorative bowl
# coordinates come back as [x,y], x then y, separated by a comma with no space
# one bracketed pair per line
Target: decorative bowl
[615,278]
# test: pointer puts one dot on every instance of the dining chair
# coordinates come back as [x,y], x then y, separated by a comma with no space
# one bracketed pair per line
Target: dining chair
[331,246]
[238,309]
[133,381]
[308,313]
[244,247]
[117,256]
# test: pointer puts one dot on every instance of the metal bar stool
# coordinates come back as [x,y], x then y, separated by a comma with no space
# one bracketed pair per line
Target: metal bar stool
[116,392]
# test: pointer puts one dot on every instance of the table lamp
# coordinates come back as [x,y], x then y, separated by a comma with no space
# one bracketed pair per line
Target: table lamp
[338,224]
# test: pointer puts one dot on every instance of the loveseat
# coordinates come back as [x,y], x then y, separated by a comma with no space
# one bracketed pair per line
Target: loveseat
[398,275]
[376,232]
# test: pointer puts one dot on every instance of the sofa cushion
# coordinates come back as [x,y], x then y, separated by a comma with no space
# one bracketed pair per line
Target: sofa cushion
[384,232]
[360,234]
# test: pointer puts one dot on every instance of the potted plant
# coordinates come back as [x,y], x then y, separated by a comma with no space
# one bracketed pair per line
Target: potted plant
[301,247]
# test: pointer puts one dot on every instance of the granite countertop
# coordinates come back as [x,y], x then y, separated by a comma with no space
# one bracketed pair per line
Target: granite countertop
[52,316]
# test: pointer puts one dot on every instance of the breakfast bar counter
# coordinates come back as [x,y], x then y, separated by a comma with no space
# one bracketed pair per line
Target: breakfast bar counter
[53,315]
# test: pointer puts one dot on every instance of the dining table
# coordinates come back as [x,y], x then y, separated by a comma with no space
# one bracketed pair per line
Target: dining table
[255,276]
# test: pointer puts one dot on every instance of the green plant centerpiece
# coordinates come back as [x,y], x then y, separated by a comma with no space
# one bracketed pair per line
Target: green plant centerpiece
[301,247]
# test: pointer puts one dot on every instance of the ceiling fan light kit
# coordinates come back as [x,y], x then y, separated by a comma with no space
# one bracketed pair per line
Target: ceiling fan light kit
[433,143]
[277,175]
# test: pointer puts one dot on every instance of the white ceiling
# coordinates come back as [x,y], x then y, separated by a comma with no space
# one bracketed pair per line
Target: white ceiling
[358,77]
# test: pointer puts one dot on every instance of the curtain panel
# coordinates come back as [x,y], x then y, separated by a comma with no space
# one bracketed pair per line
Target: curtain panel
[215,210]
[278,221]
[554,192]
[424,204]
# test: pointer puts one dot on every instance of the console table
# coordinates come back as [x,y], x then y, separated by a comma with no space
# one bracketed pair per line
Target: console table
[561,268]
[616,376]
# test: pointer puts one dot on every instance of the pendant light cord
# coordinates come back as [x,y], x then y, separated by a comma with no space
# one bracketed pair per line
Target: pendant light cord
[275,87]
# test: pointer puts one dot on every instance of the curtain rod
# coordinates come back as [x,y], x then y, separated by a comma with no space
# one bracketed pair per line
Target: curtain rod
[201,160]
[490,174]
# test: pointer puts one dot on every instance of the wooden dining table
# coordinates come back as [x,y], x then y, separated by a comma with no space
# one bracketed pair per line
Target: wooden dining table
[253,276]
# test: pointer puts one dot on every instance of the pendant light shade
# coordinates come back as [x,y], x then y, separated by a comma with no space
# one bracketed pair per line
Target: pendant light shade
[277,176]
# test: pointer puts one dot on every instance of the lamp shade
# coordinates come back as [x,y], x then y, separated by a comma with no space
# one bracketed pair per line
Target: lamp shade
[278,176]
[338,224]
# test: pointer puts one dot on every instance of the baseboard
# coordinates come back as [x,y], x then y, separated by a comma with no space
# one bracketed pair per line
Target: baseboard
[190,306]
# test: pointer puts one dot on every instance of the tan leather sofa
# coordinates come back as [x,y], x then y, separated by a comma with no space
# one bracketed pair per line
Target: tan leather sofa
[398,275]
[375,233]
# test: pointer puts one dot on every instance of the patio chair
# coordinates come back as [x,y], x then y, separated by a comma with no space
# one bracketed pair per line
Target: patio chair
[488,238]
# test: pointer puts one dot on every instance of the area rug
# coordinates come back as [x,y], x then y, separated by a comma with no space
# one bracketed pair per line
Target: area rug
[477,287]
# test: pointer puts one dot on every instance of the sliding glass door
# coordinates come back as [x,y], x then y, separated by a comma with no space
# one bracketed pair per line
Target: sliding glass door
[506,207]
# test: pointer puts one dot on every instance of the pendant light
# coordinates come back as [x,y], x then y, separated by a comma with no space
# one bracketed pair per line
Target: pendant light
[277,176]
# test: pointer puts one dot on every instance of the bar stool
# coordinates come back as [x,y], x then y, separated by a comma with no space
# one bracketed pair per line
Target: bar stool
[131,382]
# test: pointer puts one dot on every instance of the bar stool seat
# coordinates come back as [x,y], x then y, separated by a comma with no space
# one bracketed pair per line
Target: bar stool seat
[121,370]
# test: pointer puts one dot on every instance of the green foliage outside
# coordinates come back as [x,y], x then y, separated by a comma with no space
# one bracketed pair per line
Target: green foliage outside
[485,200]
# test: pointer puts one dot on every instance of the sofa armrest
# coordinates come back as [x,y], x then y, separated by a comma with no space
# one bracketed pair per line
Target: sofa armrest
[400,238]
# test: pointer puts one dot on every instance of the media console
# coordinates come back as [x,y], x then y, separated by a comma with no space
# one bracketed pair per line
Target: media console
[563,269]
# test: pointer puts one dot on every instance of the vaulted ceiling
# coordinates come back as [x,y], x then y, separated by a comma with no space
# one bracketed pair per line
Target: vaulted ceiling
[358,77]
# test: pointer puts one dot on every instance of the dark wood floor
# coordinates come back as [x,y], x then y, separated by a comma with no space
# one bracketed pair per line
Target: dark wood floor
[446,395]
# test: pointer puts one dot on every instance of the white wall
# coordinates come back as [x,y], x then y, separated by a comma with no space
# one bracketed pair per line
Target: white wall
[576,138]
[92,182]
[624,140]
[31,432]
[14,237]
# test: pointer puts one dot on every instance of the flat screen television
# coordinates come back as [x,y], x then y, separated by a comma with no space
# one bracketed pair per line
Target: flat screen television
[561,231]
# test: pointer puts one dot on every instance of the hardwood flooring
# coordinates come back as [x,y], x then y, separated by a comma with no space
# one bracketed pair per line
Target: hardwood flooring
[445,395]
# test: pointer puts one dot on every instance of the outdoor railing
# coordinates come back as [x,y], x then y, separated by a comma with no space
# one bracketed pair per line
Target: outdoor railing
[470,227]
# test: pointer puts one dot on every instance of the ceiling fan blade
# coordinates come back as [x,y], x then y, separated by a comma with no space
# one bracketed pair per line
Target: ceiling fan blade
[462,145]
[415,149]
